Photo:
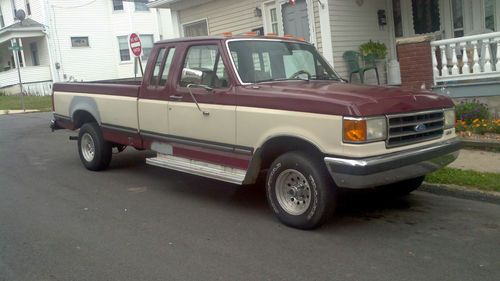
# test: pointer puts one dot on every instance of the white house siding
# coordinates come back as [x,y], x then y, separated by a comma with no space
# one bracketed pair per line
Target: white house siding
[101,24]
[236,16]
[127,21]
[95,62]
[353,25]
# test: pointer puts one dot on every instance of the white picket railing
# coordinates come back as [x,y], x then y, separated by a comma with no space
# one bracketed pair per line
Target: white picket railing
[466,58]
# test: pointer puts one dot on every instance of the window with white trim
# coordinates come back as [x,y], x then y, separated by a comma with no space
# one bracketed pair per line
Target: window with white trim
[198,28]
[271,18]
[457,9]
[489,14]
[28,7]
[123,48]
[80,41]
[117,5]
[147,42]
[141,5]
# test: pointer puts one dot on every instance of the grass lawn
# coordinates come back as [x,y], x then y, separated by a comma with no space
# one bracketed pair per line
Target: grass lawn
[482,181]
[43,103]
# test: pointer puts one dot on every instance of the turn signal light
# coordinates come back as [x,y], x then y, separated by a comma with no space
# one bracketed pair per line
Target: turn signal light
[251,33]
[354,130]
[227,34]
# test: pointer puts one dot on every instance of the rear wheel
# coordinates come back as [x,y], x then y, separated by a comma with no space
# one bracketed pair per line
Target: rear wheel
[94,151]
[300,191]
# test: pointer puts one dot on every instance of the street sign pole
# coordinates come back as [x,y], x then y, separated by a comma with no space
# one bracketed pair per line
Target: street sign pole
[16,49]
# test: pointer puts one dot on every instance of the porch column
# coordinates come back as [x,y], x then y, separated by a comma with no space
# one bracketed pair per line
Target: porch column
[416,62]
[326,33]
[14,63]
[22,51]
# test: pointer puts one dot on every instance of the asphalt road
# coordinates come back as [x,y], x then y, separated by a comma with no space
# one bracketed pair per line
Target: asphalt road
[59,221]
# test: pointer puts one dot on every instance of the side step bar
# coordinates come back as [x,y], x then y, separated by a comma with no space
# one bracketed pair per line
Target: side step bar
[199,168]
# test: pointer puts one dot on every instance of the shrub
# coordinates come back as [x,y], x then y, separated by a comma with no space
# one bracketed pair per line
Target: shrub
[469,111]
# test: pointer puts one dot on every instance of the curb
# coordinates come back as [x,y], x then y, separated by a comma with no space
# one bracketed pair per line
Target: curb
[17,111]
[482,145]
[461,192]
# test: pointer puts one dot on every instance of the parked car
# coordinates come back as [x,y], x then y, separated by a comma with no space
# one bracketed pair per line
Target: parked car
[229,108]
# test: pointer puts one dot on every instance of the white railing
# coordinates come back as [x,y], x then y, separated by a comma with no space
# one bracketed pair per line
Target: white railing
[466,58]
[36,79]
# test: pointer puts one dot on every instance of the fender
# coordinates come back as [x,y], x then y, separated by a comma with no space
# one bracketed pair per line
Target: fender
[84,103]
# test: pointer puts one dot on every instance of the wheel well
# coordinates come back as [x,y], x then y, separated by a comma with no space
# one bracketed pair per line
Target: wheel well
[275,147]
[81,117]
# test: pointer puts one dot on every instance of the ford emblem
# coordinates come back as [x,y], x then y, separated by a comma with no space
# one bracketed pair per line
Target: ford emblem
[420,127]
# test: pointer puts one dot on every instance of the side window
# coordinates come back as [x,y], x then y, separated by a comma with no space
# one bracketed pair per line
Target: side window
[162,67]
[156,71]
[204,65]
[166,67]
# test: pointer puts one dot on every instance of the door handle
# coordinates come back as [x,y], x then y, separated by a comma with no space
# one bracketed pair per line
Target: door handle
[175,98]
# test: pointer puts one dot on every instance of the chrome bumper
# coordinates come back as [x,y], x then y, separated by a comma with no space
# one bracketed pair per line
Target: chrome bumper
[390,168]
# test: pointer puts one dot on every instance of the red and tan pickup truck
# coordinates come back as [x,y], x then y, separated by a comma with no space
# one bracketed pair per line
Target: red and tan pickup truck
[229,108]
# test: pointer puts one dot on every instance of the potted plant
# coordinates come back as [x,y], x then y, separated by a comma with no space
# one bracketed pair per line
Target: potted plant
[374,50]
[374,53]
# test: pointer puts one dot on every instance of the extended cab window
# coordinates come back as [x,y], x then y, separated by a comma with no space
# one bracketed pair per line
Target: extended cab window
[162,67]
[204,65]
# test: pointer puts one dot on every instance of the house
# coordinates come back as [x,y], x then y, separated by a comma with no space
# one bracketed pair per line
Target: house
[434,60]
[73,40]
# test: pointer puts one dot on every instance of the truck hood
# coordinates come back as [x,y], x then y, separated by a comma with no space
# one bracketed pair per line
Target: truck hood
[338,98]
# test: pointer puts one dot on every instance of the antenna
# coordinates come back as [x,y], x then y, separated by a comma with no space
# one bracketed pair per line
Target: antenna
[20,14]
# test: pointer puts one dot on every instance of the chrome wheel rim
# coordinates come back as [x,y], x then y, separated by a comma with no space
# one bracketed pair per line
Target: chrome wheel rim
[293,192]
[87,146]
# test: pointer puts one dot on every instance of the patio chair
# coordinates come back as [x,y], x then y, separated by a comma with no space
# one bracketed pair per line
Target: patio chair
[353,58]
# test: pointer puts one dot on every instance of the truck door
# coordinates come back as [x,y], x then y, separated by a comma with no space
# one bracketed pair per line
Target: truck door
[202,109]
[155,92]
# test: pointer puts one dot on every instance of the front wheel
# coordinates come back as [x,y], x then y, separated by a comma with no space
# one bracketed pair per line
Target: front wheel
[94,151]
[300,190]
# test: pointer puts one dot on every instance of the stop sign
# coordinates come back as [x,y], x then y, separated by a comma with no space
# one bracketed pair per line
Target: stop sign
[135,44]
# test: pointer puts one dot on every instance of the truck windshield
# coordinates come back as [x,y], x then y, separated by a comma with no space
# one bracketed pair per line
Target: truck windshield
[262,60]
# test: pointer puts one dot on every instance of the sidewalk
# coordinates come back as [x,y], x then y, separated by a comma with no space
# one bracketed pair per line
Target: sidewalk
[477,160]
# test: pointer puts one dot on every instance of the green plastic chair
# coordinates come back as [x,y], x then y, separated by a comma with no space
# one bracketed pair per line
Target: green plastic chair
[352,58]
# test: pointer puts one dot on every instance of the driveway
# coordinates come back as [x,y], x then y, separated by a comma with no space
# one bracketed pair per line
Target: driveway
[59,221]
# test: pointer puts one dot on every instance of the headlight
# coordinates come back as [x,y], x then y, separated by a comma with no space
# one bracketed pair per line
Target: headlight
[449,118]
[361,130]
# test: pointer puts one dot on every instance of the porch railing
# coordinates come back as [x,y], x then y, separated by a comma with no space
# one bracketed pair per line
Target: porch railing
[466,58]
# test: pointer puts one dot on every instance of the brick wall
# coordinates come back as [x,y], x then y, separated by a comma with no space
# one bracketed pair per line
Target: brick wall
[415,62]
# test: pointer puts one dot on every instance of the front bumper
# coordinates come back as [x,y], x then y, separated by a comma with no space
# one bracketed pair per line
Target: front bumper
[390,168]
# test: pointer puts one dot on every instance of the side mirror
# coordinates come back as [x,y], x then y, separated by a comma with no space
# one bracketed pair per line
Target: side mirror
[191,76]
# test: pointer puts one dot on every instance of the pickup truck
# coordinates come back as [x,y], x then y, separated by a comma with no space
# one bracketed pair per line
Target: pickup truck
[233,108]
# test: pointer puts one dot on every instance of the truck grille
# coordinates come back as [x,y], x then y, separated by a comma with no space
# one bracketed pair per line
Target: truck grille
[410,128]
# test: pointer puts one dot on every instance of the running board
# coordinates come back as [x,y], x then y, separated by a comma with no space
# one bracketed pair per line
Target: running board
[199,168]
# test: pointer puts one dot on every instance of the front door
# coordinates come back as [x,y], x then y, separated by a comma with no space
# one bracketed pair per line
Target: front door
[208,120]
[295,20]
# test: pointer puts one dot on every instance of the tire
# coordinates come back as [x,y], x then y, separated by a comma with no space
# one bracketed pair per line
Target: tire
[300,190]
[403,188]
[95,152]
